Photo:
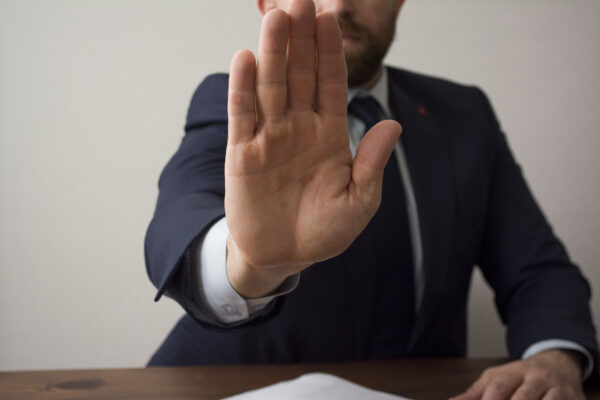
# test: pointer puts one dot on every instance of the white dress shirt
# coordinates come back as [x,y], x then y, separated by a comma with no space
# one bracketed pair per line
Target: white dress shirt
[215,292]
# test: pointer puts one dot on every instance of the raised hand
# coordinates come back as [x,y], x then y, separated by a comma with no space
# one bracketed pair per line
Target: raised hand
[293,193]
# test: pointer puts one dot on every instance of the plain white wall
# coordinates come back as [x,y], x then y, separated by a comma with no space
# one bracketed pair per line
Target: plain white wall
[93,97]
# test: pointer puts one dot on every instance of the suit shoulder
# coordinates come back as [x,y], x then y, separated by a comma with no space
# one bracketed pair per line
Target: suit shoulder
[440,95]
[209,102]
[414,82]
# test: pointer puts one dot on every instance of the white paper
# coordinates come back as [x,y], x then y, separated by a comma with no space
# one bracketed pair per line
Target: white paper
[315,386]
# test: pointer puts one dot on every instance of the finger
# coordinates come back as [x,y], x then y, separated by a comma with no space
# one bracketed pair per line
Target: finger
[301,56]
[530,390]
[271,91]
[468,395]
[241,106]
[560,393]
[332,76]
[474,392]
[371,157]
[556,394]
[502,386]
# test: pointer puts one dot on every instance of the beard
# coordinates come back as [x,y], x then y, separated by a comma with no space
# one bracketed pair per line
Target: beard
[364,61]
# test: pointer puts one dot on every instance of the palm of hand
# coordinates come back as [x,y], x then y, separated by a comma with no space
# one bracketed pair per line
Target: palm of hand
[292,188]
[294,195]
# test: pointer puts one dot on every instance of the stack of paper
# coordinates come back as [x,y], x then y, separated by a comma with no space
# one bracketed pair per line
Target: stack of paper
[315,386]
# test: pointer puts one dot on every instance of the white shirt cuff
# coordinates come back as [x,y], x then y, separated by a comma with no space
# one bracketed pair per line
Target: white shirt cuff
[213,289]
[550,344]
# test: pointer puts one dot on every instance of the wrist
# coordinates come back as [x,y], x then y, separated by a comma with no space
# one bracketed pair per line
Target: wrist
[252,281]
[571,362]
[578,359]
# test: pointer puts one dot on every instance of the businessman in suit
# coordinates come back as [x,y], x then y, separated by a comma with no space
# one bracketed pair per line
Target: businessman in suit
[332,249]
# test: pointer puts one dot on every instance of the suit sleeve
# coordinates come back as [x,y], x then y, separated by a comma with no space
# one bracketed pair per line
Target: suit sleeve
[191,199]
[539,292]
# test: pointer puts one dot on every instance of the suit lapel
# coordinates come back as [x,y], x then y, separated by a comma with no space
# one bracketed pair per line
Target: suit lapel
[429,164]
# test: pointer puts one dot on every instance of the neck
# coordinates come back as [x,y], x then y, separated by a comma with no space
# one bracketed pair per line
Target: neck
[371,82]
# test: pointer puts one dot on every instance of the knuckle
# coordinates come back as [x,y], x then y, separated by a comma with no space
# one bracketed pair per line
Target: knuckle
[239,97]
[488,374]
[497,386]
[492,372]
[518,366]
[541,375]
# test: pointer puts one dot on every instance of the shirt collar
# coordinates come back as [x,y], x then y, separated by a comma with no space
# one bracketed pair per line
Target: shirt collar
[379,92]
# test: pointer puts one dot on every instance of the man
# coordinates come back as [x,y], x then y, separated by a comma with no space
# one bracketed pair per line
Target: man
[377,281]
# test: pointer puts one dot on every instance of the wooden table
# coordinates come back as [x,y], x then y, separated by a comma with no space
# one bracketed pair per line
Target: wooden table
[418,379]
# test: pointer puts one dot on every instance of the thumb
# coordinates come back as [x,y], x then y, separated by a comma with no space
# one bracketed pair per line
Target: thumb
[371,157]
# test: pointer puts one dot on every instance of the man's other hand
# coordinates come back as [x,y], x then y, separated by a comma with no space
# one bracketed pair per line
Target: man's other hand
[549,375]
[293,193]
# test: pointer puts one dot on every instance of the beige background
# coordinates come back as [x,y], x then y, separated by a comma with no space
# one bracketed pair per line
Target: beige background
[93,96]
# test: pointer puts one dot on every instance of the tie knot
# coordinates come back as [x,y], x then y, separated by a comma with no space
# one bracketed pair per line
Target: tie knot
[367,109]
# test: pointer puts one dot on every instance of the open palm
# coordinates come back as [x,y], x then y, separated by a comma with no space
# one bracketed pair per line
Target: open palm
[293,193]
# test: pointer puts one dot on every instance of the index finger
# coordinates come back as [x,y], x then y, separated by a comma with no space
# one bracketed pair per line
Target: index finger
[241,108]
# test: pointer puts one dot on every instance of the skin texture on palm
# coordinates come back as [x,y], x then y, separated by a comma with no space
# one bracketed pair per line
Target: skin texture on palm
[294,194]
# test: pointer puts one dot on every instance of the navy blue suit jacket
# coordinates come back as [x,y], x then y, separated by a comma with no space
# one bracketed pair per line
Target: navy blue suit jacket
[474,207]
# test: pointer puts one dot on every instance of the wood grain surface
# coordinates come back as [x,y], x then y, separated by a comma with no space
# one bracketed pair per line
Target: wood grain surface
[417,379]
